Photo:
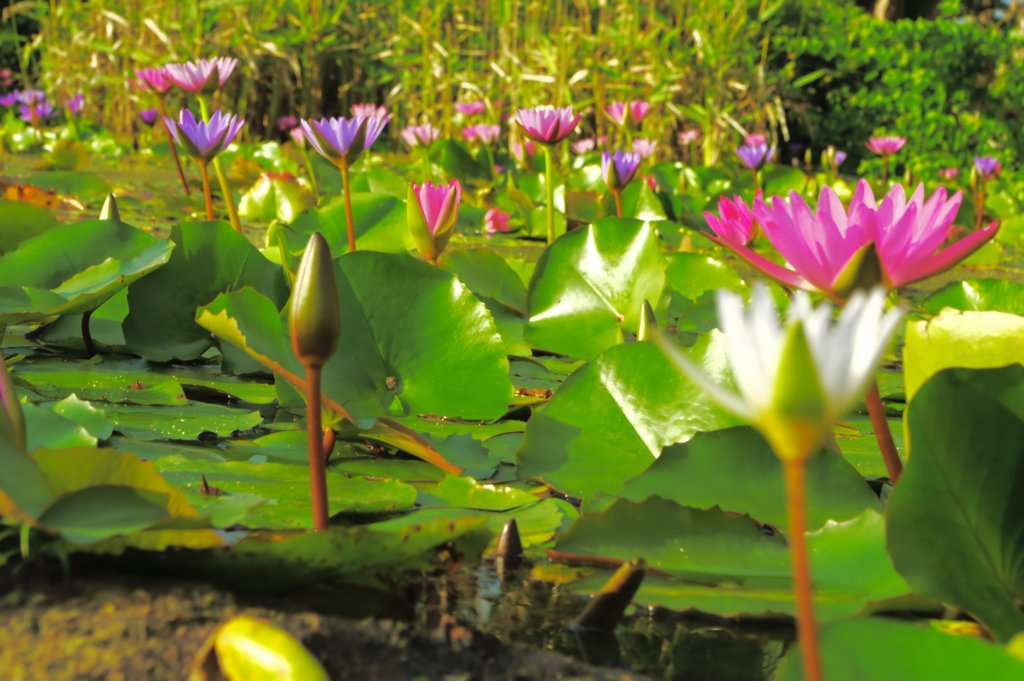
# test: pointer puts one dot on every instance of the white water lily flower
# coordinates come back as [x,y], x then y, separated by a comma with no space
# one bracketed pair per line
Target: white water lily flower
[796,378]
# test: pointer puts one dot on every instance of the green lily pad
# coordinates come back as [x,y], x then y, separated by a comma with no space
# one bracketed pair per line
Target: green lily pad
[886,650]
[973,340]
[86,186]
[953,519]
[22,221]
[693,274]
[210,259]
[725,565]
[180,422]
[611,418]
[737,471]
[379,222]
[589,286]
[283,489]
[994,295]
[487,275]
[275,196]
[123,382]
[85,263]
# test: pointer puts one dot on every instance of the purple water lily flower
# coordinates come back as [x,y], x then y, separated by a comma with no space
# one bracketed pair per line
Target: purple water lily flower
[202,76]
[153,80]
[76,104]
[200,140]
[9,100]
[546,124]
[39,111]
[419,135]
[481,132]
[754,156]
[31,96]
[149,116]
[342,140]
[618,169]
[987,166]
[839,157]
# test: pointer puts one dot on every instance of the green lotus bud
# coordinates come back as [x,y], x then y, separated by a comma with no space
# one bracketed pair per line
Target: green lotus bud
[12,420]
[109,210]
[648,322]
[250,649]
[315,316]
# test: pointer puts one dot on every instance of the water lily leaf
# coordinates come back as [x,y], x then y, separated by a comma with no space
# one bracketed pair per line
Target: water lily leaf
[85,263]
[379,221]
[487,275]
[780,180]
[454,158]
[611,418]
[639,201]
[736,470]
[23,221]
[887,650]
[19,304]
[974,340]
[124,382]
[589,286]
[995,295]
[86,186]
[210,259]
[180,422]
[953,519]
[726,565]
[46,428]
[693,274]
[275,196]
[283,488]
[93,514]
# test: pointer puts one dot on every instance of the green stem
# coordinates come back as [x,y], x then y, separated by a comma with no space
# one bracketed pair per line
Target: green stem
[206,191]
[90,347]
[806,627]
[979,204]
[315,437]
[549,184]
[222,179]
[348,208]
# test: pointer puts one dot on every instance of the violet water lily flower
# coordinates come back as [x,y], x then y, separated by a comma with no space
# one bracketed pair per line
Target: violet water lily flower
[833,250]
[153,80]
[204,140]
[546,124]
[29,97]
[367,110]
[886,145]
[9,100]
[202,76]
[419,135]
[734,224]
[76,104]
[39,111]
[149,116]
[471,108]
[755,156]
[342,140]
[987,166]
[839,158]
[644,147]
[618,169]
[481,132]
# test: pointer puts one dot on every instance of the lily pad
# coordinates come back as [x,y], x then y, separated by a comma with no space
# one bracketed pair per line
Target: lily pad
[22,221]
[379,221]
[181,422]
[994,295]
[589,287]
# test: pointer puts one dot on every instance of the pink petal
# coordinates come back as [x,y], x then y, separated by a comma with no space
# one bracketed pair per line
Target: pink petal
[945,259]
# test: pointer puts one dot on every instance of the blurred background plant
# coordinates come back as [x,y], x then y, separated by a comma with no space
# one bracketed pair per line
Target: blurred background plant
[945,75]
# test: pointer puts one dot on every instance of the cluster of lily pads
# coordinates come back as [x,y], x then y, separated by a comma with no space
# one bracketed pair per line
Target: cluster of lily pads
[568,374]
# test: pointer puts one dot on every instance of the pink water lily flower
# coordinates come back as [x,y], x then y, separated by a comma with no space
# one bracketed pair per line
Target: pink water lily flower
[496,221]
[522,151]
[432,211]
[204,140]
[546,124]
[734,224]
[644,147]
[481,132]
[153,80]
[820,246]
[76,104]
[688,136]
[755,139]
[419,135]
[471,108]
[627,112]
[887,145]
[368,110]
[202,76]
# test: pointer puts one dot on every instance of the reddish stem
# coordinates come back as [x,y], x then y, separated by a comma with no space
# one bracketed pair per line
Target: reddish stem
[885,169]
[880,424]
[618,201]
[317,469]
[206,191]
[174,149]
[348,208]
[806,627]
[330,437]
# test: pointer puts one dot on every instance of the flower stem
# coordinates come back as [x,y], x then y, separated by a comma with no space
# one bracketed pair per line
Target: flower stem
[90,347]
[222,179]
[549,184]
[880,424]
[885,168]
[618,201]
[348,208]
[806,628]
[312,174]
[979,204]
[315,437]
[173,146]
[206,191]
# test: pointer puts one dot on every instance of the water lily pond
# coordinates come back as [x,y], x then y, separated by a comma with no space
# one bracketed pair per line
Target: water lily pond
[387,402]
